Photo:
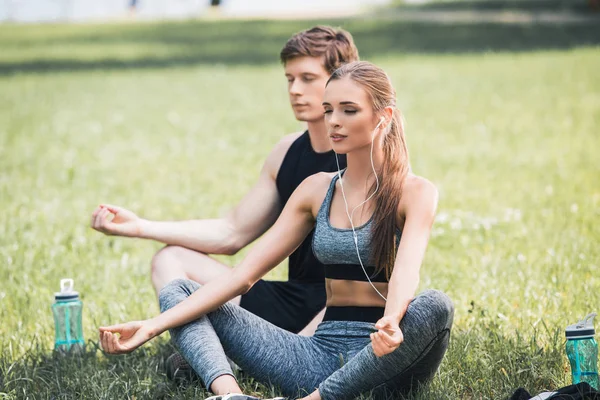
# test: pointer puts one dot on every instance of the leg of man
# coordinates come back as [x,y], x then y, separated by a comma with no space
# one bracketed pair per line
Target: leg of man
[176,262]
[288,305]
[268,353]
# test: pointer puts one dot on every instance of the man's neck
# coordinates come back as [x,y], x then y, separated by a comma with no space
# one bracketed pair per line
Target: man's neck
[319,140]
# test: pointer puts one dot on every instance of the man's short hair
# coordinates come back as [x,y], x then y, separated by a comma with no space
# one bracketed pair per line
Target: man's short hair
[335,45]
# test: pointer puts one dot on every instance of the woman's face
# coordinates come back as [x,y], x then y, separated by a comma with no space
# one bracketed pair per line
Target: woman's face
[349,115]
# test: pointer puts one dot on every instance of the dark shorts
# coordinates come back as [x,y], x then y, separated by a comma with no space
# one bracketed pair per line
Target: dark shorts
[288,305]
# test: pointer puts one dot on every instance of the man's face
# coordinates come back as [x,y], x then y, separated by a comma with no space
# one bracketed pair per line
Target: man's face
[306,78]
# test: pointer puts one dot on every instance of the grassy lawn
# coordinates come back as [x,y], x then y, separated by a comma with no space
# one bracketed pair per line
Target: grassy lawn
[173,120]
[496,5]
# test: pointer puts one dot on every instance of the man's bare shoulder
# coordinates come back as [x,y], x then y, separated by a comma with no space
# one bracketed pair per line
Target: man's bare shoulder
[282,147]
[290,138]
[275,158]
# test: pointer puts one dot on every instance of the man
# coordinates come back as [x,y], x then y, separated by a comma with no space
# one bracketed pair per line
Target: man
[309,58]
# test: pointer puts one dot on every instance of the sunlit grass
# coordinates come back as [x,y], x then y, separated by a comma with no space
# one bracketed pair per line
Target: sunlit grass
[510,139]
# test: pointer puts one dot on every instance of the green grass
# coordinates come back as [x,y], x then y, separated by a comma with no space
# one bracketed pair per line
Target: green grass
[498,5]
[173,120]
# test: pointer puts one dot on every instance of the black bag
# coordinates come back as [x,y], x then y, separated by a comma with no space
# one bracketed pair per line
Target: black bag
[580,391]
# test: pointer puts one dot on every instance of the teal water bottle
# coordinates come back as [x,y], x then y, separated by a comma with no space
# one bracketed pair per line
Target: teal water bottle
[67,310]
[582,351]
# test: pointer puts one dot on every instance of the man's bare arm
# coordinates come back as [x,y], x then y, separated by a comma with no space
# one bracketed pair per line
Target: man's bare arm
[255,213]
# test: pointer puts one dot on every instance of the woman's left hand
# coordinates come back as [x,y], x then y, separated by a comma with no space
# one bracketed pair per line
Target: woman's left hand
[124,338]
[388,337]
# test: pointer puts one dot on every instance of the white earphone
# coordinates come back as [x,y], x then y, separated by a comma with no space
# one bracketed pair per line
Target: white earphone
[350,214]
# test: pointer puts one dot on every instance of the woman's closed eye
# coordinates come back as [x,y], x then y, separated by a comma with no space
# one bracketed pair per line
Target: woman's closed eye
[351,112]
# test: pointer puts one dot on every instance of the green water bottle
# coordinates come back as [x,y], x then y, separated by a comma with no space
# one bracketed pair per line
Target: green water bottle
[582,351]
[67,310]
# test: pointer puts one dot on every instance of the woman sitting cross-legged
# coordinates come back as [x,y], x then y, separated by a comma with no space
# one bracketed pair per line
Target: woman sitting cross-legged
[372,223]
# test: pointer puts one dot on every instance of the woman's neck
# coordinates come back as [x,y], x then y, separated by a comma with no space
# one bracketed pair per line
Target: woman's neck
[359,173]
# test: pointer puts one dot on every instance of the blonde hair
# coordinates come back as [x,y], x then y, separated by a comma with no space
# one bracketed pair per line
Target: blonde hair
[395,165]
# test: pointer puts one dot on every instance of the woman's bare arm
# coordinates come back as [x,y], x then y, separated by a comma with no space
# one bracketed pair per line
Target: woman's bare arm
[294,224]
[417,210]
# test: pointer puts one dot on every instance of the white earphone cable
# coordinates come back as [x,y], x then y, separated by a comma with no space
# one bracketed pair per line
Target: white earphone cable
[350,214]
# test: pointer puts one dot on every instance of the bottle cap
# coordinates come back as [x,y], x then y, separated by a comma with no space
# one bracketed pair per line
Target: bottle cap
[66,291]
[582,329]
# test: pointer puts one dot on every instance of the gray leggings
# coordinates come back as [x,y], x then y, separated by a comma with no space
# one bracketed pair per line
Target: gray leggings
[338,359]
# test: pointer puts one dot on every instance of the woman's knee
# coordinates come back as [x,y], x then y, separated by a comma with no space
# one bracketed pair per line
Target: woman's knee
[439,307]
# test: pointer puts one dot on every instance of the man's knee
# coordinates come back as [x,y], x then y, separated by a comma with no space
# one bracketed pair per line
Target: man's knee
[169,263]
[167,256]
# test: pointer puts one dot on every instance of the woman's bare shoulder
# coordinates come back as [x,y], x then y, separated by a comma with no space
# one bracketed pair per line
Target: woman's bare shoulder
[314,189]
[419,195]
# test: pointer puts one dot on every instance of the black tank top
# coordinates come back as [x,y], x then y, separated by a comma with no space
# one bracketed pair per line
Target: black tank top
[300,162]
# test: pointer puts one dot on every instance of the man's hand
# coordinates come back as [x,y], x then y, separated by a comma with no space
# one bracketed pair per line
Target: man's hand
[122,222]
[130,336]
[388,337]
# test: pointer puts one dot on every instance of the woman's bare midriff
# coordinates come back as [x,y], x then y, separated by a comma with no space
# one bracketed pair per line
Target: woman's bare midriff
[342,293]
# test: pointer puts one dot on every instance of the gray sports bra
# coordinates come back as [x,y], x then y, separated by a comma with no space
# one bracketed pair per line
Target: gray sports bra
[334,247]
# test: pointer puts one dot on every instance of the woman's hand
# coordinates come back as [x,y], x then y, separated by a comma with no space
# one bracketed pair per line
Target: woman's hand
[388,337]
[122,223]
[130,336]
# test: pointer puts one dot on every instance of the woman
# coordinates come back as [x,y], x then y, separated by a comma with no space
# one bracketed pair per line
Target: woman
[365,342]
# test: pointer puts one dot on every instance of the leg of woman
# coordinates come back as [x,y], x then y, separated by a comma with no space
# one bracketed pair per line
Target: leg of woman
[425,325]
[419,372]
[266,352]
